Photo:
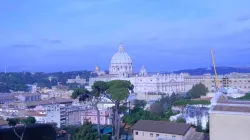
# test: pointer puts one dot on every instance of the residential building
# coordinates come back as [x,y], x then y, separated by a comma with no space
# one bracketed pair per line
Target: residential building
[29,97]
[229,119]
[153,130]
[74,114]
[56,114]
[5,99]
[91,115]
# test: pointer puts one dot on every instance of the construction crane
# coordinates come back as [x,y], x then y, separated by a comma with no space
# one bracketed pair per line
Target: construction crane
[217,86]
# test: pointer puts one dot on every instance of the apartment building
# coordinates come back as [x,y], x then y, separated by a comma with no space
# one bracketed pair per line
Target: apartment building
[229,119]
[56,114]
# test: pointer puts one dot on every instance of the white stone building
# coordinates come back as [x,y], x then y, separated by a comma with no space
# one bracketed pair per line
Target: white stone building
[146,86]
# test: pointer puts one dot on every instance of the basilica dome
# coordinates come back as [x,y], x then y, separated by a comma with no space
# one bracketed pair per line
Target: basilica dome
[121,63]
[121,57]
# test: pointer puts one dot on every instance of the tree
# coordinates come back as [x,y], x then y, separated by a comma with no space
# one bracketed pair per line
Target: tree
[13,121]
[98,90]
[79,91]
[157,108]
[119,91]
[29,120]
[199,127]
[181,120]
[207,127]
[86,132]
[139,103]
[197,91]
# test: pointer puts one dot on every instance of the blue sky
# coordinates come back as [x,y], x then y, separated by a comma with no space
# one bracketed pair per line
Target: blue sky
[162,35]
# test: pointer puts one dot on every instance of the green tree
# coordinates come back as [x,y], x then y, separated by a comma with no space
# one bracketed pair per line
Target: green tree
[245,97]
[79,91]
[13,121]
[29,120]
[207,127]
[197,91]
[139,103]
[199,127]
[157,108]
[119,91]
[98,90]
[181,120]
[86,132]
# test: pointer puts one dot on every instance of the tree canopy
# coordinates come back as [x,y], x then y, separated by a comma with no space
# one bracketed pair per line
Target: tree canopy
[86,132]
[139,103]
[119,89]
[197,91]
[79,91]
[245,97]
[29,120]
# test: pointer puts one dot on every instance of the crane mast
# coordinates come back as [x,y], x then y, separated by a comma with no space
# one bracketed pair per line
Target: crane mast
[217,86]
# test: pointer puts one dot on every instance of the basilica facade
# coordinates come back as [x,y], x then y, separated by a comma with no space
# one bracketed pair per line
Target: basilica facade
[146,86]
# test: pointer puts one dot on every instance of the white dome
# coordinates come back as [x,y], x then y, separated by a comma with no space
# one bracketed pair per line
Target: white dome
[121,57]
[121,63]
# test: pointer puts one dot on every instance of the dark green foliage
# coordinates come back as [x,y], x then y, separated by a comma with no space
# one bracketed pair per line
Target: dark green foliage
[17,81]
[13,121]
[79,91]
[86,132]
[197,91]
[139,103]
[157,109]
[72,130]
[181,120]
[106,137]
[119,89]
[98,88]
[29,120]
[207,128]
[190,102]
[140,114]
[245,97]
[199,127]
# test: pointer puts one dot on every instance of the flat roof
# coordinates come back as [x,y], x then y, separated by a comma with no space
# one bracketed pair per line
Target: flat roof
[50,101]
[243,109]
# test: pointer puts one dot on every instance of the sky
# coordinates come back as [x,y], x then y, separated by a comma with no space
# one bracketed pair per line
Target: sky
[162,35]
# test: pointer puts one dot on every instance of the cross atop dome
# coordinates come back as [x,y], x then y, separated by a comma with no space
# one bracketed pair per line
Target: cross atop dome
[121,49]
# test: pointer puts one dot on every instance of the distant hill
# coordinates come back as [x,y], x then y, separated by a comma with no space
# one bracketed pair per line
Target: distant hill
[220,70]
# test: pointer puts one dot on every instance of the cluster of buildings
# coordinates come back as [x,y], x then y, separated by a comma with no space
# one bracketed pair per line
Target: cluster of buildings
[153,86]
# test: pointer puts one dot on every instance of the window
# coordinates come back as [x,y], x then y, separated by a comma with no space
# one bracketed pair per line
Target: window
[136,133]
[173,137]
[157,135]
[151,134]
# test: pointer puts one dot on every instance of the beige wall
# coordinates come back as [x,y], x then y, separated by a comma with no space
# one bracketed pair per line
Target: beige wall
[229,127]
[144,135]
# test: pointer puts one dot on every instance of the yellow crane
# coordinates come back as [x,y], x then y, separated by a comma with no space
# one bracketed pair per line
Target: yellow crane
[217,86]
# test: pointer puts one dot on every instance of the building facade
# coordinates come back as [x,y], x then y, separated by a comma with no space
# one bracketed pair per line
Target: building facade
[160,130]
[229,119]
[29,97]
